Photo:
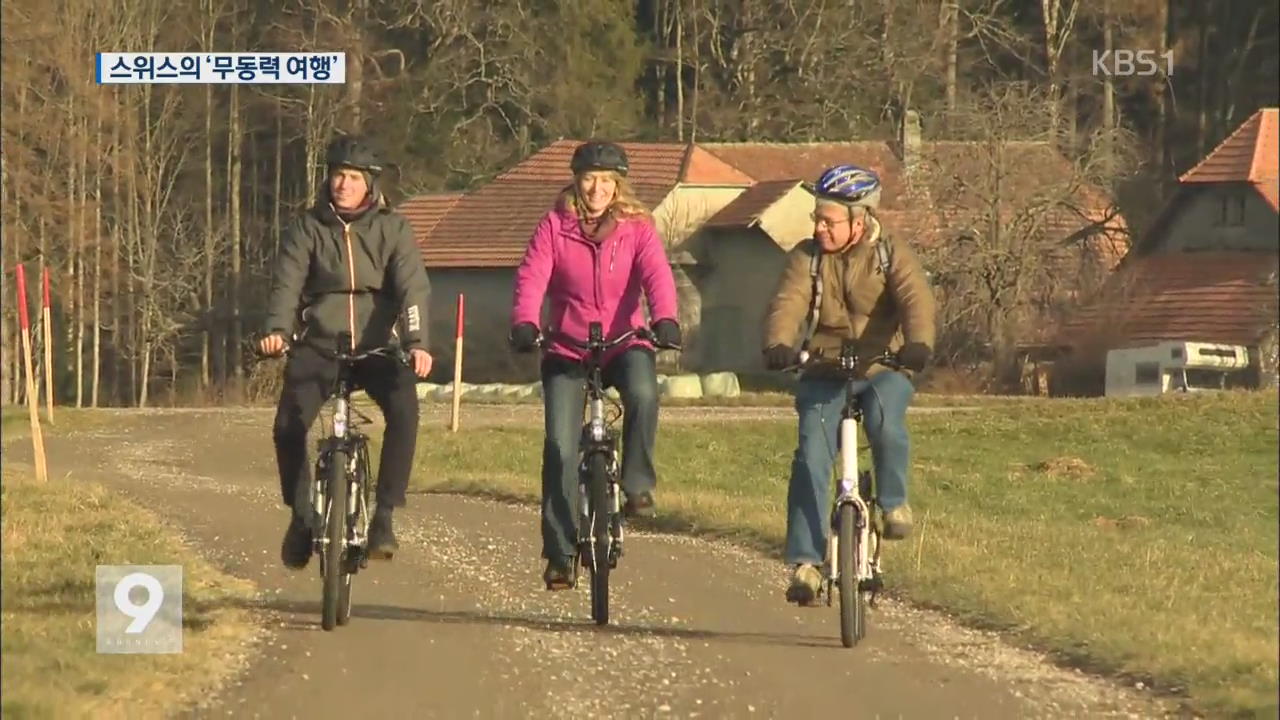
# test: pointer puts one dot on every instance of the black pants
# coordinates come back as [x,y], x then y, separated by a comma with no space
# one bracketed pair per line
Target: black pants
[634,374]
[308,379]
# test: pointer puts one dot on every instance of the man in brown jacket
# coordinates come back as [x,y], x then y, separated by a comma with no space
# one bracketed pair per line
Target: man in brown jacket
[873,292]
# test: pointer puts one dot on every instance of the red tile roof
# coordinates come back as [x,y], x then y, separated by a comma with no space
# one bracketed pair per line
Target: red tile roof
[490,226]
[746,209]
[806,161]
[651,163]
[1250,154]
[501,215]
[424,211]
[1225,297]
[1270,191]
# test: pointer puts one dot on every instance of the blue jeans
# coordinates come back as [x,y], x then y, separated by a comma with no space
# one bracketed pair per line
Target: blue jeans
[635,374]
[884,399]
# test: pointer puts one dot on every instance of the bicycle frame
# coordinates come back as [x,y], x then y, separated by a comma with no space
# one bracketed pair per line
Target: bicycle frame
[849,486]
[345,436]
[849,491]
[598,437]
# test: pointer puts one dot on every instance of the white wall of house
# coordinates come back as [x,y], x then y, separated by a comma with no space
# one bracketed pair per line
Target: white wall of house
[1225,217]
[789,220]
[687,207]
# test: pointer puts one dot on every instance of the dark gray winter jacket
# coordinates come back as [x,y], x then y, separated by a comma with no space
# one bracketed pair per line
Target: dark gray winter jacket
[364,277]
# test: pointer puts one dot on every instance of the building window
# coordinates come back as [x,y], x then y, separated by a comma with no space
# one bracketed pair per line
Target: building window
[1146,373]
[1231,209]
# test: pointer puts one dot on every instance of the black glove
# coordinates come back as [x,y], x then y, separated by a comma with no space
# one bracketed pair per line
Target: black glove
[524,337]
[914,356]
[666,333]
[777,357]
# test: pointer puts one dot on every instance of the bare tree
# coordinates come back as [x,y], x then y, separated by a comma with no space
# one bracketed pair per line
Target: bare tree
[1025,231]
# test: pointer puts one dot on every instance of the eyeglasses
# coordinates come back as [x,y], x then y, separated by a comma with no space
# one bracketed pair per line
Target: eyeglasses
[828,223]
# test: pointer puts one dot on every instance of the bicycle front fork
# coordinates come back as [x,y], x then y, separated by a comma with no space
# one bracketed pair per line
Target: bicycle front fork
[614,507]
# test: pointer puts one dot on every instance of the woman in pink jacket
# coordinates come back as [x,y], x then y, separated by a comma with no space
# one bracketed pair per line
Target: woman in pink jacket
[592,256]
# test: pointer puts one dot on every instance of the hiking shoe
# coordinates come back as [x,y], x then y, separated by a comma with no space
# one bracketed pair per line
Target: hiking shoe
[382,539]
[806,581]
[295,551]
[897,523]
[559,573]
[639,505]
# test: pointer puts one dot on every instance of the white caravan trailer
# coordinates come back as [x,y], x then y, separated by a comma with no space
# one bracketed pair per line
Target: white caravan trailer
[1172,367]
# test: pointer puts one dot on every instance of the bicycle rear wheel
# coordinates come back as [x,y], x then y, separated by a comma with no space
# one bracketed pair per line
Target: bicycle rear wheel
[335,572]
[599,512]
[853,611]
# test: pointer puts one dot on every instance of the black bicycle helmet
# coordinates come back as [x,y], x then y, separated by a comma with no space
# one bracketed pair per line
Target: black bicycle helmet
[354,152]
[599,156]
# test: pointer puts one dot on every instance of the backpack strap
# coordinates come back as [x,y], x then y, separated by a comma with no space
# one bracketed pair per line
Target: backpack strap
[815,297]
[884,261]
[884,254]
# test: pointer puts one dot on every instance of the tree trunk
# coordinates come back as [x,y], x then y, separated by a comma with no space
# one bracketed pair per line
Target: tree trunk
[1160,153]
[146,365]
[81,235]
[117,244]
[234,164]
[952,22]
[310,132]
[355,66]
[697,74]
[6,373]
[680,71]
[1108,87]
[277,199]
[206,348]
[660,37]
[173,376]
[136,339]
[1203,77]
[97,262]
[70,310]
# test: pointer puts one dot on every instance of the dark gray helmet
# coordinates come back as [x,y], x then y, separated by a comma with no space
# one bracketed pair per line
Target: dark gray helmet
[354,152]
[599,156]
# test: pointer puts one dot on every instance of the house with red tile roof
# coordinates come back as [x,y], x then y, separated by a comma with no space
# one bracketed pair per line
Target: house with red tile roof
[728,213]
[1206,271]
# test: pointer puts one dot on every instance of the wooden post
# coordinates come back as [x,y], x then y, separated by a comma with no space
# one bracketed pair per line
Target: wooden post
[457,368]
[33,397]
[47,323]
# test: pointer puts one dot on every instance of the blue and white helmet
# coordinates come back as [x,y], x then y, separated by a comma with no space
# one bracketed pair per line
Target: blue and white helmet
[849,185]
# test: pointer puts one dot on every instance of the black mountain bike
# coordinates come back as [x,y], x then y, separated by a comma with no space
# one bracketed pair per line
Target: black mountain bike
[339,495]
[600,528]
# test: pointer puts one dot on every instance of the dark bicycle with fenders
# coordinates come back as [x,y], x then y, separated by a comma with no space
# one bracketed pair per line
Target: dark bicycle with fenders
[600,525]
[339,497]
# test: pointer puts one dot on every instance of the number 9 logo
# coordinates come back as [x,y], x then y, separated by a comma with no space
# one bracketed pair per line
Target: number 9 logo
[142,614]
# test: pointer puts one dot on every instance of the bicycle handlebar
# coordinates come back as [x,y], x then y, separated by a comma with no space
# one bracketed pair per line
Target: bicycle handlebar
[603,345]
[844,363]
[394,352]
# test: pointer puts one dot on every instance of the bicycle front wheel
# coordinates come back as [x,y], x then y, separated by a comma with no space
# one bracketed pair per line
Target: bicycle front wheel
[335,572]
[853,611]
[599,512]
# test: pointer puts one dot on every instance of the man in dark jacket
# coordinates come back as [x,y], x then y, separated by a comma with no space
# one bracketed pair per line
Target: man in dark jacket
[347,265]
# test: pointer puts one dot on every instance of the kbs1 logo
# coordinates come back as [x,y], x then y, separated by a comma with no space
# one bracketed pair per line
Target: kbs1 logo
[1127,63]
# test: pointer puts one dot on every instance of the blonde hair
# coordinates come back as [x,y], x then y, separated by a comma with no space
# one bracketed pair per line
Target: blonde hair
[625,203]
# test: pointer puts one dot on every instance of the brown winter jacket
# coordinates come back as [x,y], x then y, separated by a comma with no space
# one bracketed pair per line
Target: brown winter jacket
[858,301]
